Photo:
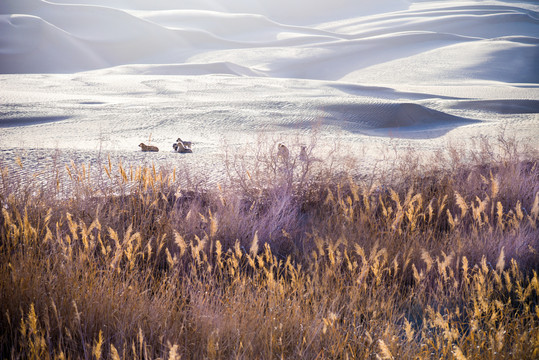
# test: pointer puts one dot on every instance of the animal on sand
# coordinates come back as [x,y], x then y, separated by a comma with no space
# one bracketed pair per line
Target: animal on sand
[283,152]
[145,147]
[181,148]
[303,156]
[186,144]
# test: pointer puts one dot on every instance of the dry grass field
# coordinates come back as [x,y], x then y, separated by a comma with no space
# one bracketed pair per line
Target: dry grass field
[289,258]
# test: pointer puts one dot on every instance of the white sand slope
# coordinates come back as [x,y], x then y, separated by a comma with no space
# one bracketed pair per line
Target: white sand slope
[362,71]
[471,37]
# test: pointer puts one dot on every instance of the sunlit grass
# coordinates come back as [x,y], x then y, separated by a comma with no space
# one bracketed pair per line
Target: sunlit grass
[289,259]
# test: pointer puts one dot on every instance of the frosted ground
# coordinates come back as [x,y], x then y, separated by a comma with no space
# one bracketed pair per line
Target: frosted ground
[80,80]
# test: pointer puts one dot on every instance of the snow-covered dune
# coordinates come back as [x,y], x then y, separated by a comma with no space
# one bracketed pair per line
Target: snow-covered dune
[122,70]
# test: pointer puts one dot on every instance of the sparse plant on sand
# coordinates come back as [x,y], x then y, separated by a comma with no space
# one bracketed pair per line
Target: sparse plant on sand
[287,260]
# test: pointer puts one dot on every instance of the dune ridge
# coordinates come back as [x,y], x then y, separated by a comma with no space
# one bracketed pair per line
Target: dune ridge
[261,36]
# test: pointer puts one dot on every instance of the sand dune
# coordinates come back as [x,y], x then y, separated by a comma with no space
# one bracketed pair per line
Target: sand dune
[40,36]
[391,115]
[361,71]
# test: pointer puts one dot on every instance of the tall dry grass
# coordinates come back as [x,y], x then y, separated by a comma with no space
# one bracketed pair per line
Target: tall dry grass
[291,258]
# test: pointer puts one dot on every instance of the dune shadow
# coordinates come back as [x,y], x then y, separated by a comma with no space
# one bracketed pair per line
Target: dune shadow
[419,132]
[91,103]
[362,90]
[6,122]
[397,120]
[500,106]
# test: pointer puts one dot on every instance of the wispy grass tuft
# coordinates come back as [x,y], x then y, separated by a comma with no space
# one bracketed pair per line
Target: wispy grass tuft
[291,257]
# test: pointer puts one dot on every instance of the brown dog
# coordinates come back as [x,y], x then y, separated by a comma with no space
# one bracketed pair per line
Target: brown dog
[145,147]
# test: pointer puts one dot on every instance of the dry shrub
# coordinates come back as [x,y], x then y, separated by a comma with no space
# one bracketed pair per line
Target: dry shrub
[291,258]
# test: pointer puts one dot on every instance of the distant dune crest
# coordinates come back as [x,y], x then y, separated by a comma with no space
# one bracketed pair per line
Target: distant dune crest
[325,40]
[296,10]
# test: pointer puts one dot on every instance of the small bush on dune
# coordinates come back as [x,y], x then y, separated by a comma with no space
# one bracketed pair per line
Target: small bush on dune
[293,257]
